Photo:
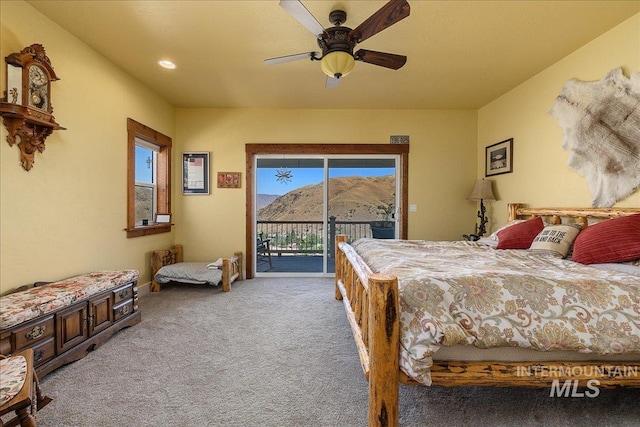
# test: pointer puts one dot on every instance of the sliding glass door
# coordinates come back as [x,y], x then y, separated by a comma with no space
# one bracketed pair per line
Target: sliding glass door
[361,199]
[302,202]
[290,218]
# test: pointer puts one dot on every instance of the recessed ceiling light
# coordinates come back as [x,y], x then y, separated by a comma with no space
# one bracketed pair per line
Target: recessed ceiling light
[167,64]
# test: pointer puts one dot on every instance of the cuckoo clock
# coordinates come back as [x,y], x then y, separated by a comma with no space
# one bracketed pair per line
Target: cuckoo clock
[26,109]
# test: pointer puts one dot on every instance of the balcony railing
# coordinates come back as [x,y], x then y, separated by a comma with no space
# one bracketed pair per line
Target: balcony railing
[307,237]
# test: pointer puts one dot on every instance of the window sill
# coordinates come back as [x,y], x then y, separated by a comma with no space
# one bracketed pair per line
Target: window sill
[147,230]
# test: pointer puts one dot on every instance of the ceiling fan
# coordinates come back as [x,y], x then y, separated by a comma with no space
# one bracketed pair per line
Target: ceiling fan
[338,42]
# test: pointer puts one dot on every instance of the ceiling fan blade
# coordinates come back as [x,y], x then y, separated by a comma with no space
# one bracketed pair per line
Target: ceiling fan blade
[301,14]
[332,82]
[388,60]
[289,58]
[385,17]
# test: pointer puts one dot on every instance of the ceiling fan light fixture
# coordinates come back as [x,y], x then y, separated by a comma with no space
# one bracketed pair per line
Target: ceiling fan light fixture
[337,64]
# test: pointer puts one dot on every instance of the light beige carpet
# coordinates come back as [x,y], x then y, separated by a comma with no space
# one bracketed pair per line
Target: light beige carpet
[274,352]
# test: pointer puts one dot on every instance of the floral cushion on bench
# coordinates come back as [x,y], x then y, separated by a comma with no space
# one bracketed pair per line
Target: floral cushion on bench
[22,306]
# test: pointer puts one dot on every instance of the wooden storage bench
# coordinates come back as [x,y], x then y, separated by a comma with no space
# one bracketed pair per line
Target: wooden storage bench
[63,321]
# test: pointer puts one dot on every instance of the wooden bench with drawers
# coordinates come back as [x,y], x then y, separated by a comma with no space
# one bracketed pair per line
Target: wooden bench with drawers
[63,321]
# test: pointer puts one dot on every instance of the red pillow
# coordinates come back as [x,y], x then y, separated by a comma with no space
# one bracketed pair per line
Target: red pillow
[520,236]
[613,240]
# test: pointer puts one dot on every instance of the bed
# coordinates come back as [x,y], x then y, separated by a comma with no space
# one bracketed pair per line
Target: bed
[167,266]
[411,333]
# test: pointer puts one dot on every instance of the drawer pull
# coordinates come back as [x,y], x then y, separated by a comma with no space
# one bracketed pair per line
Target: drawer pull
[36,332]
[124,293]
[38,355]
[124,310]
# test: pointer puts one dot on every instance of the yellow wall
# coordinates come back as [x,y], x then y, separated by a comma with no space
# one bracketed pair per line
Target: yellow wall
[66,216]
[441,165]
[541,176]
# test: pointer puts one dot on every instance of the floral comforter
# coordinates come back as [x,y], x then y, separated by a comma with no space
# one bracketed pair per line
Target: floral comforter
[466,293]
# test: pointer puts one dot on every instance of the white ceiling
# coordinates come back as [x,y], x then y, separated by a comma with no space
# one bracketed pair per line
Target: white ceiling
[461,54]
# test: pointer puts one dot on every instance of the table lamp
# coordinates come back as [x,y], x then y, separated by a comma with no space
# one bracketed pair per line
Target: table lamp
[483,191]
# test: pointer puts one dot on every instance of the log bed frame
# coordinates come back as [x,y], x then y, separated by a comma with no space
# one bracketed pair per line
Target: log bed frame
[231,267]
[371,305]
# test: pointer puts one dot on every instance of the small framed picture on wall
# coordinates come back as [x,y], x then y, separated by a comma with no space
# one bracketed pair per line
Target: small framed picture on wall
[499,158]
[229,179]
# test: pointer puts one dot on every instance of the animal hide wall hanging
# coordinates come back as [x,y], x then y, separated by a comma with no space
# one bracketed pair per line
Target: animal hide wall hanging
[601,124]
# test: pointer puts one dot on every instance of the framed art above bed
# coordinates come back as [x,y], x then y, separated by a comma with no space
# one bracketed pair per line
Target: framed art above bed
[499,158]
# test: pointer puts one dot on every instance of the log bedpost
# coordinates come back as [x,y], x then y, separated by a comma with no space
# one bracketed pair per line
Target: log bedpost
[512,209]
[156,263]
[384,335]
[231,270]
[339,260]
[226,279]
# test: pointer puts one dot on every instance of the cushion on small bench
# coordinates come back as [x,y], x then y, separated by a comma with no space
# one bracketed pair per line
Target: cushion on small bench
[22,306]
[13,372]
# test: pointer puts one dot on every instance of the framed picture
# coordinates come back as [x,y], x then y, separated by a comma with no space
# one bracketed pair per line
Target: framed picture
[163,218]
[195,172]
[229,179]
[499,158]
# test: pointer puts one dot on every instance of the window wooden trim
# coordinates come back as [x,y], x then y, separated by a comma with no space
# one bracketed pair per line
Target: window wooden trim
[163,177]
[252,150]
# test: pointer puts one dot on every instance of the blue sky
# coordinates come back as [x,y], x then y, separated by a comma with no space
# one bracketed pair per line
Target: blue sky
[267,183]
[143,171]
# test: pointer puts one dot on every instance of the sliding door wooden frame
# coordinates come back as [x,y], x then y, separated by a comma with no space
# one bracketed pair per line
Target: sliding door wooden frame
[252,150]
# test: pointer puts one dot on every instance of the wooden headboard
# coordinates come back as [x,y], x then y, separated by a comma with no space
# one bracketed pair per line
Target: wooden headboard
[578,215]
[161,258]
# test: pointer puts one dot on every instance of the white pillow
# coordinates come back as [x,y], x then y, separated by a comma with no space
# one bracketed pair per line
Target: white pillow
[487,242]
[217,264]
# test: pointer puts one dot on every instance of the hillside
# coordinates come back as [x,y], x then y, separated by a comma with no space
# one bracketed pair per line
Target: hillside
[144,201]
[263,200]
[353,198]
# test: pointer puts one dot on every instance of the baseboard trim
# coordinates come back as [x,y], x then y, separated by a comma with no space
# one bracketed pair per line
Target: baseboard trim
[144,289]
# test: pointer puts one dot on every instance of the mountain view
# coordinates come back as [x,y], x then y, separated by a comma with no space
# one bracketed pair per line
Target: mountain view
[144,204]
[263,200]
[353,198]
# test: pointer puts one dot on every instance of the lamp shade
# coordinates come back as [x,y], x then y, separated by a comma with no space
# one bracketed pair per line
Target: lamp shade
[337,64]
[482,190]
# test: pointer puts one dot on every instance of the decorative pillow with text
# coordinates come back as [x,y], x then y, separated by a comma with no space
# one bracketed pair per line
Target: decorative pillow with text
[555,240]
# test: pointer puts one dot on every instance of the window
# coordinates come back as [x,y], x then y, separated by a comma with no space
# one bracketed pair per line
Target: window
[148,179]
